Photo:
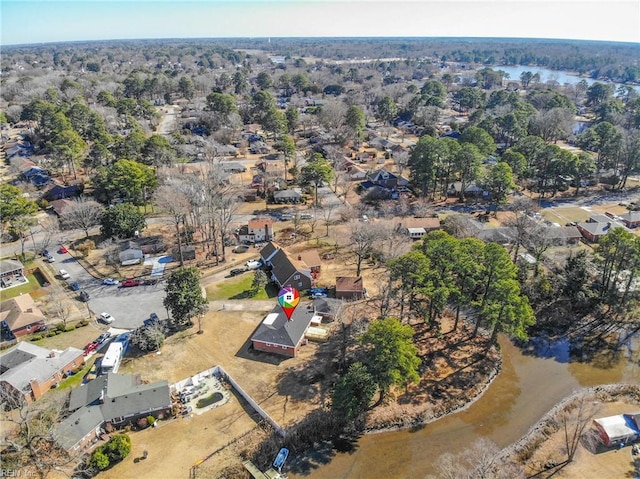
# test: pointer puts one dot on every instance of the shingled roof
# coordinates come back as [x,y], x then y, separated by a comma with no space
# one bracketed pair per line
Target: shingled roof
[277,329]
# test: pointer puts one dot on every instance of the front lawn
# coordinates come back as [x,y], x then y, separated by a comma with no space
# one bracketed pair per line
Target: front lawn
[29,287]
[238,287]
[76,379]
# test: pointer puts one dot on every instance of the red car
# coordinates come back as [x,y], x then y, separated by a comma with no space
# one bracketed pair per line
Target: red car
[63,250]
[128,283]
[89,348]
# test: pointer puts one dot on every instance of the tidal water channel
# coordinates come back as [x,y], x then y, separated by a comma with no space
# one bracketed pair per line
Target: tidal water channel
[527,387]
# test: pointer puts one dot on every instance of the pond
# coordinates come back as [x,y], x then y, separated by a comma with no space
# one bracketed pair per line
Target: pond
[525,390]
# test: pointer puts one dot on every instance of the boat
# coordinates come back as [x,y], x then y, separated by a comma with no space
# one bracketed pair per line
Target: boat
[280,458]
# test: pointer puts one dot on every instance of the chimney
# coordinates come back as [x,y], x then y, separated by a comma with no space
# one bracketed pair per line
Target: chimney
[299,257]
[101,399]
[52,354]
[36,390]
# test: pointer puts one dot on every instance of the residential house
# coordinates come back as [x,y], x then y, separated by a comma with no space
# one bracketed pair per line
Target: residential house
[11,270]
[233,167]
[503,235]
[36,176]
[21,316]
[470,190]
[132,251]
[385,184]
[58,192]
[115,399]
[291,195]
[416,228]
[562,235]
[349,287]
[268,252]
[59,206]
[279,335]
[597,226]
[381,144]
[257,231]
[258,147]
[28,371]
[289,272]
[631,219]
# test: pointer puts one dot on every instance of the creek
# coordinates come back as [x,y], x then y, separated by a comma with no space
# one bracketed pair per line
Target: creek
[527,387]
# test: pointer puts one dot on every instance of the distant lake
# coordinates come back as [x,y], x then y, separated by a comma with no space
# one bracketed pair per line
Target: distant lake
[547,75]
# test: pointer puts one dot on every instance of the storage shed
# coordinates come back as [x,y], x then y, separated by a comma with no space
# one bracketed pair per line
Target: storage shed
[618,430]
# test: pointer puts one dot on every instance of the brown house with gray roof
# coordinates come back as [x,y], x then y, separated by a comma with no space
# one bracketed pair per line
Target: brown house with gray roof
[21,315]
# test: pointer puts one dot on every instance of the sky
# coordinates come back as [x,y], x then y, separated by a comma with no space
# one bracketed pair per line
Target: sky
[31,21]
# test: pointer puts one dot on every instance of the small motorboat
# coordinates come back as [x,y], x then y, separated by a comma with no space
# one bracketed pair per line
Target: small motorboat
[280,458]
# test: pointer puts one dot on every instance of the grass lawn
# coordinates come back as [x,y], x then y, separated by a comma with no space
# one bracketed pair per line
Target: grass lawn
[563,216]
[76,379]
[29,287]
[238,287]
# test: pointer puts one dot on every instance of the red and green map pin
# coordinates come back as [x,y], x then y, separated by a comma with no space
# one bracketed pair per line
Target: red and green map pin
[288,298]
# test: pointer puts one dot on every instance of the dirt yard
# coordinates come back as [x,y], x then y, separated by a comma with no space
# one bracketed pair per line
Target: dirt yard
[272,382]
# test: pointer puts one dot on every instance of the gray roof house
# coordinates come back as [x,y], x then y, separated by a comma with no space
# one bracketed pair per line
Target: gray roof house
[291,195]
[114,398]
[28,371]
[289,272]
[279,335]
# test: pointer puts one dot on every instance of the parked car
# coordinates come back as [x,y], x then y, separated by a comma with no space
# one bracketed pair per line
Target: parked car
[106,318]
[253,264]
[110,282]
[74,286]
[63,274]
[318,295]
[103,337]
[49,258]
[236,272]
[63,250]
[89,348]
[128,283]
[241,248]
[84,296]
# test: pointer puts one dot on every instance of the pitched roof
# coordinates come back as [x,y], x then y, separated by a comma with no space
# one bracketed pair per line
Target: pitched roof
[562,232]
[20,311]
[426,223]
[631,216]
[276,329]
[123,395]
[310,257]
[349,283]
[20,353]
[39,368]
[269,250]
[284,267]
[260,222]
[9,265]
[288,193]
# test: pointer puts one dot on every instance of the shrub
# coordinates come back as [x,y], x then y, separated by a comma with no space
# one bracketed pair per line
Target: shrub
[35,337]
[115,450]
[151,420]
[99,459]
[85,247]
[60,327]
[211,399]
[82,323]
[70,328]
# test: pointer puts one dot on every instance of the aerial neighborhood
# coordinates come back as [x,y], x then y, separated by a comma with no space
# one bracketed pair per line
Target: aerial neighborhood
[248,249]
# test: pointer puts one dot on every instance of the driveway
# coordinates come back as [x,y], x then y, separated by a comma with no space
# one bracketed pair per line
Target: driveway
[129,306]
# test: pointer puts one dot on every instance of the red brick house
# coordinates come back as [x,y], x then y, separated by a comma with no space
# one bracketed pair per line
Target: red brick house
[21,315]
[631,219]
[278,335]
[28,371]
[597,226]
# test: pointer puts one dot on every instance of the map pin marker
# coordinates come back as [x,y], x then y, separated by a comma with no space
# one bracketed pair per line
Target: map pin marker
[288,298]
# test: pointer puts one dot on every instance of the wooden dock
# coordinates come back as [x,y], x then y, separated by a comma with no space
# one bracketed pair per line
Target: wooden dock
[271,473]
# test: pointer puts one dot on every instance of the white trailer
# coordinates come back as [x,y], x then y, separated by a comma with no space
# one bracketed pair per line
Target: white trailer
[112,358]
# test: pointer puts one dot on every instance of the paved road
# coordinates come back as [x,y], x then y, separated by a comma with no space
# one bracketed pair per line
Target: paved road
[129,306]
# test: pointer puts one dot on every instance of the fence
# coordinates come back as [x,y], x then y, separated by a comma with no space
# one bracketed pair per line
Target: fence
[221,372]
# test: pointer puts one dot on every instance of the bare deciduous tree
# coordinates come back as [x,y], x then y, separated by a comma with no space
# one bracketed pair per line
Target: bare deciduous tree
[58,304]
[362,237]
[83,214]
[28,444]
[171,198]
[574,419]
